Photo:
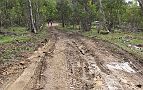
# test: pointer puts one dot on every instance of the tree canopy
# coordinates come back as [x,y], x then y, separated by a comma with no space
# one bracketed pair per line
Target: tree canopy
[34,13]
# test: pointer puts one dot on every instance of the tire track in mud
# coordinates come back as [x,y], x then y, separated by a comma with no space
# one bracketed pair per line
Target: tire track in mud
[40,79]
[85,65]
[123,78]
[93,71]
[82,65]
[77,63]
[99,70]
[31,78]
[56,71]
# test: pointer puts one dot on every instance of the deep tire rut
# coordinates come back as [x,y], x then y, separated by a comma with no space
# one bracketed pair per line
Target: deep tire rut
[73,62]
[78,63]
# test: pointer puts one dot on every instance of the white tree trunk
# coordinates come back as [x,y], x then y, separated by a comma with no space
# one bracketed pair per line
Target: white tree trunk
[33,28]
[103,19]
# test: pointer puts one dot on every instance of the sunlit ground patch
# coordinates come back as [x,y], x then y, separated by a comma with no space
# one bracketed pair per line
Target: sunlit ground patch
[121,66]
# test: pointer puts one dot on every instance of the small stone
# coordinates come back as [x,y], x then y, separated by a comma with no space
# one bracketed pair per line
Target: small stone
[22,63]
[139,86]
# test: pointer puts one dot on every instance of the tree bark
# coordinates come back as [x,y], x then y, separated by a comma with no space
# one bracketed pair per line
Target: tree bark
[103,19]
[38,23]
[141,4]
[1,21]
[32,25]
[86,21]
[63,21]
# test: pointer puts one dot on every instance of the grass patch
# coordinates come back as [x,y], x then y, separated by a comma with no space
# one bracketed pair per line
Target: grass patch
[22,41]
[121,39]
[14,34]
[136,41]
[6,39]
[17,30]
[10,39]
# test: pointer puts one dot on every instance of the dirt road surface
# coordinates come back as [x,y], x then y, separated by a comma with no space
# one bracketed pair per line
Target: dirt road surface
[69,61]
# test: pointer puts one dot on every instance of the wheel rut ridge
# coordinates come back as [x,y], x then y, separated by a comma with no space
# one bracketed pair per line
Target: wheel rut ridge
[85,54]
[97,60]
[129,83]
[40,78]
[33,73]
[85,69]
[83,50]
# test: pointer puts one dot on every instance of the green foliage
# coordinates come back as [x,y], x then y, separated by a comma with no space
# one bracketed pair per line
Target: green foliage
[64,10]
[117,12]
[114,10]
[121,39]
[133,15]
[18,35]
[48,9]
[16,12]
[13,46]
[6,39]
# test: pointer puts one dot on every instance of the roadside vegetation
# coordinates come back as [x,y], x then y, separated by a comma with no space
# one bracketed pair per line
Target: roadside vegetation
[116,25]
[116,21]
[128,41]
[131,42]
[17,43]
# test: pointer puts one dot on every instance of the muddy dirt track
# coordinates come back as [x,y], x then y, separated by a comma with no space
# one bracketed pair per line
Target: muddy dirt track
[73,62]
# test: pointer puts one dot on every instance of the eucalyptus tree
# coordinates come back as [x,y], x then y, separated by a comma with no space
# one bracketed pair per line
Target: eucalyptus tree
[102,18]
[32,25]
[114,9]
[49,9]
[133,16]
[84,13]
[141,4]
[64,11]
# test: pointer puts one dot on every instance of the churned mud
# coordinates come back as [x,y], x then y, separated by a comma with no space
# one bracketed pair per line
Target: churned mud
[74,62]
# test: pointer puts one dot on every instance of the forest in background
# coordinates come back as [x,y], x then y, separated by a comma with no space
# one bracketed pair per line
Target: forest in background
[106,14]
[92,45]
[117,21]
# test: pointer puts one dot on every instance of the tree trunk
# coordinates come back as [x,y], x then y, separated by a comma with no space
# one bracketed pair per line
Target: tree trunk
[1,21]
[86,24]
[103,19]
[63,21]
[32,25]
[141,4]
[86,21]
[38,23]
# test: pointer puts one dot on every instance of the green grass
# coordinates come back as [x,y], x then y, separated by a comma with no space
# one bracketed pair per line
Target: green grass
[136,41]
[121,39]
[21,41]
[18,30]
[10,39]
[6,39]
[17,34]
